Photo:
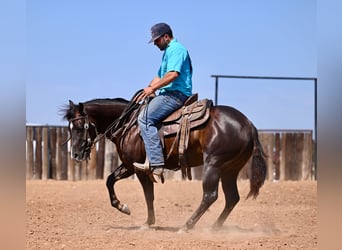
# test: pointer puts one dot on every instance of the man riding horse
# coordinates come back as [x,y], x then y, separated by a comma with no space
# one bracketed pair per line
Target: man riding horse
[174,83]
[222,144]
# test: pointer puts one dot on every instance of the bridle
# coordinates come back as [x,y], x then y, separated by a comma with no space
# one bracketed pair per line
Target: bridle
[119,125]
[87,142]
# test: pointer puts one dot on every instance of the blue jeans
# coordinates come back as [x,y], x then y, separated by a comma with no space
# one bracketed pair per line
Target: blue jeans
[150,117]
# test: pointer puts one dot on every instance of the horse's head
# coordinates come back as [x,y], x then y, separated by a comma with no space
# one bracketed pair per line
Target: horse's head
[82,131]
[107,114]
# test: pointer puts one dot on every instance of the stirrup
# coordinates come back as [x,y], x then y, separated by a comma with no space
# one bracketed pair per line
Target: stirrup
[141,166]
[145,167]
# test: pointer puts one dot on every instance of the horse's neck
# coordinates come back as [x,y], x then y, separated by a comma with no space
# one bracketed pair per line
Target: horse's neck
[104,116]
[125,127]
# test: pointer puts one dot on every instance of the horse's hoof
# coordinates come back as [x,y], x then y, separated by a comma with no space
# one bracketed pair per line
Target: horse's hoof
[182,230]
[124,209]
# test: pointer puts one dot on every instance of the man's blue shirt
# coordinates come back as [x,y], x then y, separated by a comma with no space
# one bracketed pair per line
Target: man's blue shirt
[176,58]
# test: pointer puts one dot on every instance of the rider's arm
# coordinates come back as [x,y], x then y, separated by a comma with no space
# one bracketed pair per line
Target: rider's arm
[157,82]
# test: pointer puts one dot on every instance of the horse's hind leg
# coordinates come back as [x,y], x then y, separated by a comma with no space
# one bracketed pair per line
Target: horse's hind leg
[210,192]
[231,194]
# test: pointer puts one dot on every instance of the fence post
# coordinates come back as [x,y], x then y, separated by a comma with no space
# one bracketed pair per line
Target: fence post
[307,157]
[59,155]
[38,161]
[282,165]
[64,151]
[109,158]
[92,163]
[100,158]
[53,141]
[71,168]
[45,167]
[267,141]
[29,152]
[84,169]
[78,170]
[291,157]
[298,171]
[276,158]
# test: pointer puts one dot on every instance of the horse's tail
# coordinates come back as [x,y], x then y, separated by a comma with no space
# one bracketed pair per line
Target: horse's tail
[258,167]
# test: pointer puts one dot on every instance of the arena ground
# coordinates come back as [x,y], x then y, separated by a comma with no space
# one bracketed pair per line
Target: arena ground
[78,215]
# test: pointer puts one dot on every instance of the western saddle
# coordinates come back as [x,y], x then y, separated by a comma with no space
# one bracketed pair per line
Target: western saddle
[193,114]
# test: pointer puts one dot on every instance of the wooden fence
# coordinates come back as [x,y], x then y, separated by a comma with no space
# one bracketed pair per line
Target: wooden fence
[290,152]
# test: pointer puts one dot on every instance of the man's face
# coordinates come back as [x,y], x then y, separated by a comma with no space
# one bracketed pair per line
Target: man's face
[162,42]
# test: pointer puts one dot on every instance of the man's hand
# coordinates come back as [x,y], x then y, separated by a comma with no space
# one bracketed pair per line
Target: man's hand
[148,91]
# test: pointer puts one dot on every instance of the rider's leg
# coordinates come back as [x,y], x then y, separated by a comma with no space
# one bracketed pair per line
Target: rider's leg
[158,109]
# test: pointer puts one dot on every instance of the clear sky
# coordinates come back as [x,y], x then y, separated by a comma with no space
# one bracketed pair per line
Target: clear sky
[84,49]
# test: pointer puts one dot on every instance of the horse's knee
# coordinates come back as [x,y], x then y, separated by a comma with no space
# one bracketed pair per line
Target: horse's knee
[210,198]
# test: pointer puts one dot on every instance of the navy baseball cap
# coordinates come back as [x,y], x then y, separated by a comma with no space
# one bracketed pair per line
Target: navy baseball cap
[158,30]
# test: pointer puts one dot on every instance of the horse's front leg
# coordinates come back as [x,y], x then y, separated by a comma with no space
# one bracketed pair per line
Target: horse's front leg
[120,173]
[148,188]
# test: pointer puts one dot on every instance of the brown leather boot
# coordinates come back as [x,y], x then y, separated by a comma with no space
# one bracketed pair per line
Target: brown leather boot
[151,171]
[159,172]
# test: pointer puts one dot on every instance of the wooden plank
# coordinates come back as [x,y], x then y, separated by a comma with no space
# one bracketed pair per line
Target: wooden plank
[267,141]
[307,173]
[289,153]
[84,169]
[38,153]
[53,140]
[244,172]
[78,170]
[45,167]
[282,163]
[264,143]
[100,158]
[109,158]
[292,158]
[29,152]
[297,171]
[270,159]
[59,159]
[276,158]
[92,164]
[71,168]
[64,151]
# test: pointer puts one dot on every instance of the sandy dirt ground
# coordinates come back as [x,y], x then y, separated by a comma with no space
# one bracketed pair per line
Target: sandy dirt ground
[78,215]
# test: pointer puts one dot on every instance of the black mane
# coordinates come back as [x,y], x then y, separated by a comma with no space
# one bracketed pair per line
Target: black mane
[106,100]
[68,112]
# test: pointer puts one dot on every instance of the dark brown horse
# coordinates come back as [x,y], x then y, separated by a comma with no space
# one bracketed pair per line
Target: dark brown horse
[223,145]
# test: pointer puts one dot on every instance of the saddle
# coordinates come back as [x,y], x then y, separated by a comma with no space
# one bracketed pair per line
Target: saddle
[193,114]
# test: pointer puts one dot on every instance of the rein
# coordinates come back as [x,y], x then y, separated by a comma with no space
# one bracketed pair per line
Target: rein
[113,127]
[121,120]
